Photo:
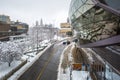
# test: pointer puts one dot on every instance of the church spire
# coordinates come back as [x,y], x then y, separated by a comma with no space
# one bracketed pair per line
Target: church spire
[41,22]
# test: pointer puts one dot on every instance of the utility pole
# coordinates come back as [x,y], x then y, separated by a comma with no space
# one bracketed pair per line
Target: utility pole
[37,40]
[37,35]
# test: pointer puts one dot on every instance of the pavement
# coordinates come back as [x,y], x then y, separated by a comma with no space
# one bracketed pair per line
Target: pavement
[45,68]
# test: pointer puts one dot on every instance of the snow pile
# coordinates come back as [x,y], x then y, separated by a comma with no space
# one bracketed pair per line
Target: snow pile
[64,76]
[80,75]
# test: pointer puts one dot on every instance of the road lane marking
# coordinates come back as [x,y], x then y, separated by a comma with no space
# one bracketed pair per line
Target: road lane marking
[46,63]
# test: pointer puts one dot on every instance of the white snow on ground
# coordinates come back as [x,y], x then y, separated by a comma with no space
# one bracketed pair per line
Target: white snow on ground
[60,38]
[59,44]
[56,37]
[80,75]
[65,76]
[31,60]
[5,69]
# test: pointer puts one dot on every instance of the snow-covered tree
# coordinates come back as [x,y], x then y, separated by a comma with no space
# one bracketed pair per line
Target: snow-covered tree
[9,51]
[23,46]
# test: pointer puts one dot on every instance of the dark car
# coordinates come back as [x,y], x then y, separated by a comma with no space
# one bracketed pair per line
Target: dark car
[68,42]
[75,40]
[64,42]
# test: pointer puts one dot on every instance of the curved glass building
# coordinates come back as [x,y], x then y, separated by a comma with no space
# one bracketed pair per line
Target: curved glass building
[96,22]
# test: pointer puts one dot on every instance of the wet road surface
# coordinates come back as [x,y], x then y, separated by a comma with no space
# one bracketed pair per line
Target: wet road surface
[45,68]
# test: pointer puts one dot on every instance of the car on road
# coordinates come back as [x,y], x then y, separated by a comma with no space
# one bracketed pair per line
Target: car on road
[75,40]
[66,42]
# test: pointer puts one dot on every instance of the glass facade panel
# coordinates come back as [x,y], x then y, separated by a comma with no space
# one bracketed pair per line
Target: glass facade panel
[94,23]
[77,8]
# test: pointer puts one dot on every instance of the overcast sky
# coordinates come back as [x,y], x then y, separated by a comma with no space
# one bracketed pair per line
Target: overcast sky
[51,11]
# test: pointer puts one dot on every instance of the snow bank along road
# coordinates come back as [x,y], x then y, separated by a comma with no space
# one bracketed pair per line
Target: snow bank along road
[45,68]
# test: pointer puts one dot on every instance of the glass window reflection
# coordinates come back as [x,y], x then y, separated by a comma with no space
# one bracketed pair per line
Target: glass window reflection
[112,3]
[97,24]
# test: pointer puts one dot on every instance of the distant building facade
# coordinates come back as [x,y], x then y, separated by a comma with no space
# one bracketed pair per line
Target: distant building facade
[11,28]
[5,19]
[19,28]
[4,27]
[4,31]
[65,28]
[65,25]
